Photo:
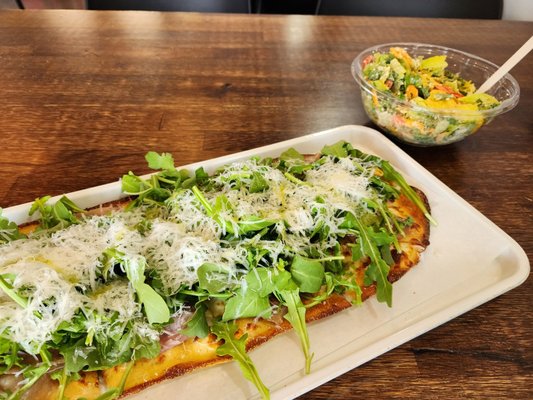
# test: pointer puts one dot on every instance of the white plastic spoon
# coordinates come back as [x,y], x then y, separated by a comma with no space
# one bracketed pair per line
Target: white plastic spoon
[506,67]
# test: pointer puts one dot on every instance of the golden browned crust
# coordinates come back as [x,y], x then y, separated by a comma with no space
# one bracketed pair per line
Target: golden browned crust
[198,353]
[259,331]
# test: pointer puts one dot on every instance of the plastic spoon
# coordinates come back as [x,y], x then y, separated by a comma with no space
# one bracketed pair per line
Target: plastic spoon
[506,67]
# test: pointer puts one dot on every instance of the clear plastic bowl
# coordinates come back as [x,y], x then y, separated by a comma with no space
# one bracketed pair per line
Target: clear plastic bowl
[429,126]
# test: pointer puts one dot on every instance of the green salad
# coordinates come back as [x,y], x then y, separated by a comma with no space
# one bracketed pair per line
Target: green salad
[86,292]
[420,100]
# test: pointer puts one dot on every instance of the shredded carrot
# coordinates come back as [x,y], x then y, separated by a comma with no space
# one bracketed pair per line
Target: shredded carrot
[448,90]
[375,99]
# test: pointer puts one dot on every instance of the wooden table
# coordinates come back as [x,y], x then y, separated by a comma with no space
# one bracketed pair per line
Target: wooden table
[84,95]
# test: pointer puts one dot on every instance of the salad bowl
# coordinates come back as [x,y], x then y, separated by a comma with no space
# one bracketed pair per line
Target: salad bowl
[420,122]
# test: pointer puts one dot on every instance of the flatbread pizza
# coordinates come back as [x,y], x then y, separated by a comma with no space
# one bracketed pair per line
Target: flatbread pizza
[194,269]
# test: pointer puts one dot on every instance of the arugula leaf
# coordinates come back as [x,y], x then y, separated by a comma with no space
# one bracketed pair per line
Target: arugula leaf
[213,277]
[247,303]
[253,224]
[236,348]
[388,191]
[258,184]
[163,161]
[9,355]
[391,174]
[296,316]
[291,154]
[307,273]
[143,347]
[252,299]
[160,186]
[57,216]
[295,180]
[39,204]
[386,255]
[62,381]
[330,287]
[78,357]
[378,270]
[293,162]
[265,281]
[339,149]
[201,176]
[115,393]
[389,219]
[333,283]
[132,184]
[222,205]
[197,325]
[254,255]
[221,209]
[7,286]
[122,383]
[107,349]
[9,230]
[155,307]
[31,374]
[65,202]
[108,259]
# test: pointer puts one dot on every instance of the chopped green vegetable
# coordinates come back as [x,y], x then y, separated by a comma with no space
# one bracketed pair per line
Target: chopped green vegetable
[197,325]
[296,316]
[247,303]
[378,269]
[236,348]
[338,149]
[392,174]
[155,307]
[160,161]
[7,287]
[57,216]
[308,274]
[9,230]
[213,277]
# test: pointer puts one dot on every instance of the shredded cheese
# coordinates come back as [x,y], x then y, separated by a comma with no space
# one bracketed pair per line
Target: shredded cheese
[60,273]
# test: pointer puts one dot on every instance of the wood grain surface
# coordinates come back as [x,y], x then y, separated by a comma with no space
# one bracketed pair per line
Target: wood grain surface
[84,95]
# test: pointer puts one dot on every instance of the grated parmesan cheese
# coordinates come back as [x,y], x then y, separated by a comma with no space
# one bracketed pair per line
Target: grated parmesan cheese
[60,274]
[51,301]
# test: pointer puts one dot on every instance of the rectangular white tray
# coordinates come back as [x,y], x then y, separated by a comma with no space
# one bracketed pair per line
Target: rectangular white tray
[469,262]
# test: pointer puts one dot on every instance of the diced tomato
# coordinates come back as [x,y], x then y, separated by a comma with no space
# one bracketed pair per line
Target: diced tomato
[388,83]
[398,120]
[368,60]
